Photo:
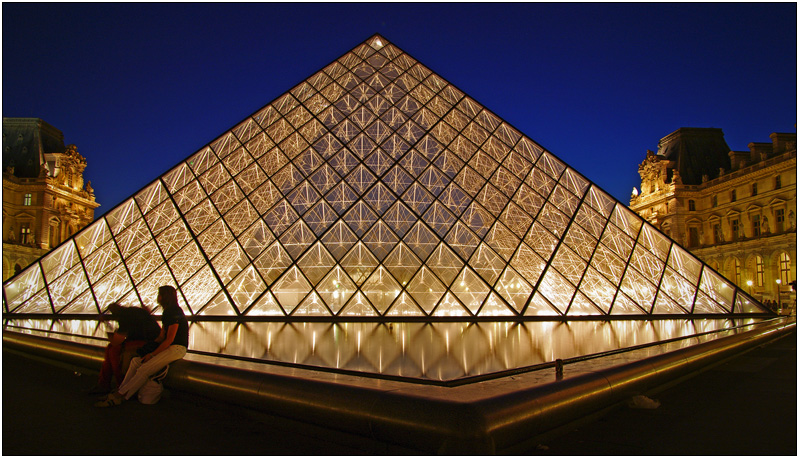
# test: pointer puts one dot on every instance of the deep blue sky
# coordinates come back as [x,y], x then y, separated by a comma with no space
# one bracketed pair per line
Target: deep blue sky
[139,87]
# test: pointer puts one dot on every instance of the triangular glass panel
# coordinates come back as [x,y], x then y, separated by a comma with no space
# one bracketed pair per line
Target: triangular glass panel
[316,263]
[358,306]
[336,289]
[540,306]
[199,289]
[665,305]
[450,306]
[266,306]
[470,289]
[402,263]
[514,289]
[421,240]
[625,306]
[84,304]
[359,263]
[38,304]
[256,239]
[218,306]
[487,263]
[705,305]
[312,306]
[245,288]
[339,239]
[380,240]
[272,262]
[113,287]
[297,239]
[495,306]
[582,306]
[290,289]
[426,289]
[381,289]
[404,306]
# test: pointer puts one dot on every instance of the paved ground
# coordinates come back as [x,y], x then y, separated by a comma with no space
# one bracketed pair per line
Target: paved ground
[747,406]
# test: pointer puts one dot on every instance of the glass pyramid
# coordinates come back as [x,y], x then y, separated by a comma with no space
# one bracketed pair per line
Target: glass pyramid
[375,189]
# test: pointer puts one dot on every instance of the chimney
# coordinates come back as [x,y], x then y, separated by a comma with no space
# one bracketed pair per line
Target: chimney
[759,151]
[739,159]
[782,142]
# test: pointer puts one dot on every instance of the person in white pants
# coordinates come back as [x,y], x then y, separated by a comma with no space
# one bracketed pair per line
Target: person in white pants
[173,341]
[140,371]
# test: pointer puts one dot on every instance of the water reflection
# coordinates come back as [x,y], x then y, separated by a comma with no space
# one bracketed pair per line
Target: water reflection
[432,351]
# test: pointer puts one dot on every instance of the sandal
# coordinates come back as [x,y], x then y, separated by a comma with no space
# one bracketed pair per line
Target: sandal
[111,400]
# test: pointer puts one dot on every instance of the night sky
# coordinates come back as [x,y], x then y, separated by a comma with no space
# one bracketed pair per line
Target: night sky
[140,87]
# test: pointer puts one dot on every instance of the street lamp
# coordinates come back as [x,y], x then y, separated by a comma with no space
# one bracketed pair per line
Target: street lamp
[750,287]
[778,281]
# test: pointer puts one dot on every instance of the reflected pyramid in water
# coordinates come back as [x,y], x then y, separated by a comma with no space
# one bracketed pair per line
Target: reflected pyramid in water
[375,189]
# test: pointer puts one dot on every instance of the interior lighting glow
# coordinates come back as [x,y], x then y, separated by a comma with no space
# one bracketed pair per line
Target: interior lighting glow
[98,267]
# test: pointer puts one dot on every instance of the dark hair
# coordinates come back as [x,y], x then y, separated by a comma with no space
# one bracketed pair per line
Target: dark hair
[114,308]
[169,296]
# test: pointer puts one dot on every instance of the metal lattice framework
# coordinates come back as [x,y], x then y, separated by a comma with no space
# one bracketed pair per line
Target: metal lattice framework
[375,189]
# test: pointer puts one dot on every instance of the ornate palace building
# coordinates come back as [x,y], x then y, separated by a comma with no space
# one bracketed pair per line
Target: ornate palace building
[736,210]
[45,199]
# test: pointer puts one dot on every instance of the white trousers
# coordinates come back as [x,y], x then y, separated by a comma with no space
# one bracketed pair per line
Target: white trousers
[138,373]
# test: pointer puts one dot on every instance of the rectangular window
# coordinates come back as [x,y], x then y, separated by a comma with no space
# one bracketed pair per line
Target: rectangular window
[27,200]
[691,205]
[733,195]
[738,267]
[694,237]
[755,189]
[714,201]
[777,182]
[759,271]
[735,230]
[24,234]
[756,225]
[785,266]
[778,220]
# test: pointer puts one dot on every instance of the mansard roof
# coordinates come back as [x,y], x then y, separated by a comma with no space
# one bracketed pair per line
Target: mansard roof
[25,141]
[696,152]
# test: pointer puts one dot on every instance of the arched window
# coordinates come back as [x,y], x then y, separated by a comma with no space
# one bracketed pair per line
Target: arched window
[737,271]
[785,266]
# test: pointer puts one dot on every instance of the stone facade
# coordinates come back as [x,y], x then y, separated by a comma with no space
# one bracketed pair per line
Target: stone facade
[45,199]
[737,213]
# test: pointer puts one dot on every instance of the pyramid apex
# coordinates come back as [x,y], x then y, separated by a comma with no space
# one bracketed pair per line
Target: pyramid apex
[377,41]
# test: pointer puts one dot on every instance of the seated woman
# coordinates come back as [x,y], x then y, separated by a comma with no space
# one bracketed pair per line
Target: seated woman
[136,327]
[173,339]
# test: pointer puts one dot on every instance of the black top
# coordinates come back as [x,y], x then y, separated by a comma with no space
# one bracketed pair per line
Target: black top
[176,316]
[137,324]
